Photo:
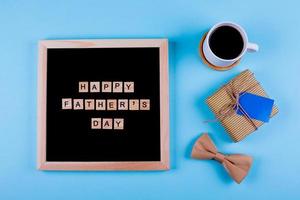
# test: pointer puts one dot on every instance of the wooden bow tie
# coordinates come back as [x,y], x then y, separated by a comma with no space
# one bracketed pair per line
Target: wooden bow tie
[237,165]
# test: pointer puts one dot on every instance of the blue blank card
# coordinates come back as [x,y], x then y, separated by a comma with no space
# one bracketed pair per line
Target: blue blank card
[257,107]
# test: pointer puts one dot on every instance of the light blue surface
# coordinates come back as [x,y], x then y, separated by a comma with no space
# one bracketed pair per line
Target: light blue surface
[274,25]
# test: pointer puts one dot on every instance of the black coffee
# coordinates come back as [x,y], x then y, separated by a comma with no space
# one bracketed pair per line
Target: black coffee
[226,42]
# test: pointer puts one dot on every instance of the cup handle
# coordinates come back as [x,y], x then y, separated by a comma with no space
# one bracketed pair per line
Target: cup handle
[252,47]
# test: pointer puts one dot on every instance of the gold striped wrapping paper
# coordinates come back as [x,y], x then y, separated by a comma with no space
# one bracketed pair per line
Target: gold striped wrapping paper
[236,125]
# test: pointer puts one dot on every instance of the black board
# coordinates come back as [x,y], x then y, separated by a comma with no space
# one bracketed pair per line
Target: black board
[70,135]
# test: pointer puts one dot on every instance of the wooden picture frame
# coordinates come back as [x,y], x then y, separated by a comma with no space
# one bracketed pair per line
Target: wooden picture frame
[163,164]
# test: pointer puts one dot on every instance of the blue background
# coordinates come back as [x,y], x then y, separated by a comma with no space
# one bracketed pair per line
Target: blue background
[274,25]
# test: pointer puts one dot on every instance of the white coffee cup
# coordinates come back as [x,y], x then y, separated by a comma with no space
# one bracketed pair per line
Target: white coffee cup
[220,62]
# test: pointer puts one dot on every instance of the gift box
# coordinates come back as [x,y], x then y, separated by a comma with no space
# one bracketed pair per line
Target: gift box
[225,103]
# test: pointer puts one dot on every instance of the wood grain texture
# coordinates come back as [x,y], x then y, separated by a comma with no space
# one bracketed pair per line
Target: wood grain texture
[134,104]
[41,111]
[42,164]
[111,104]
